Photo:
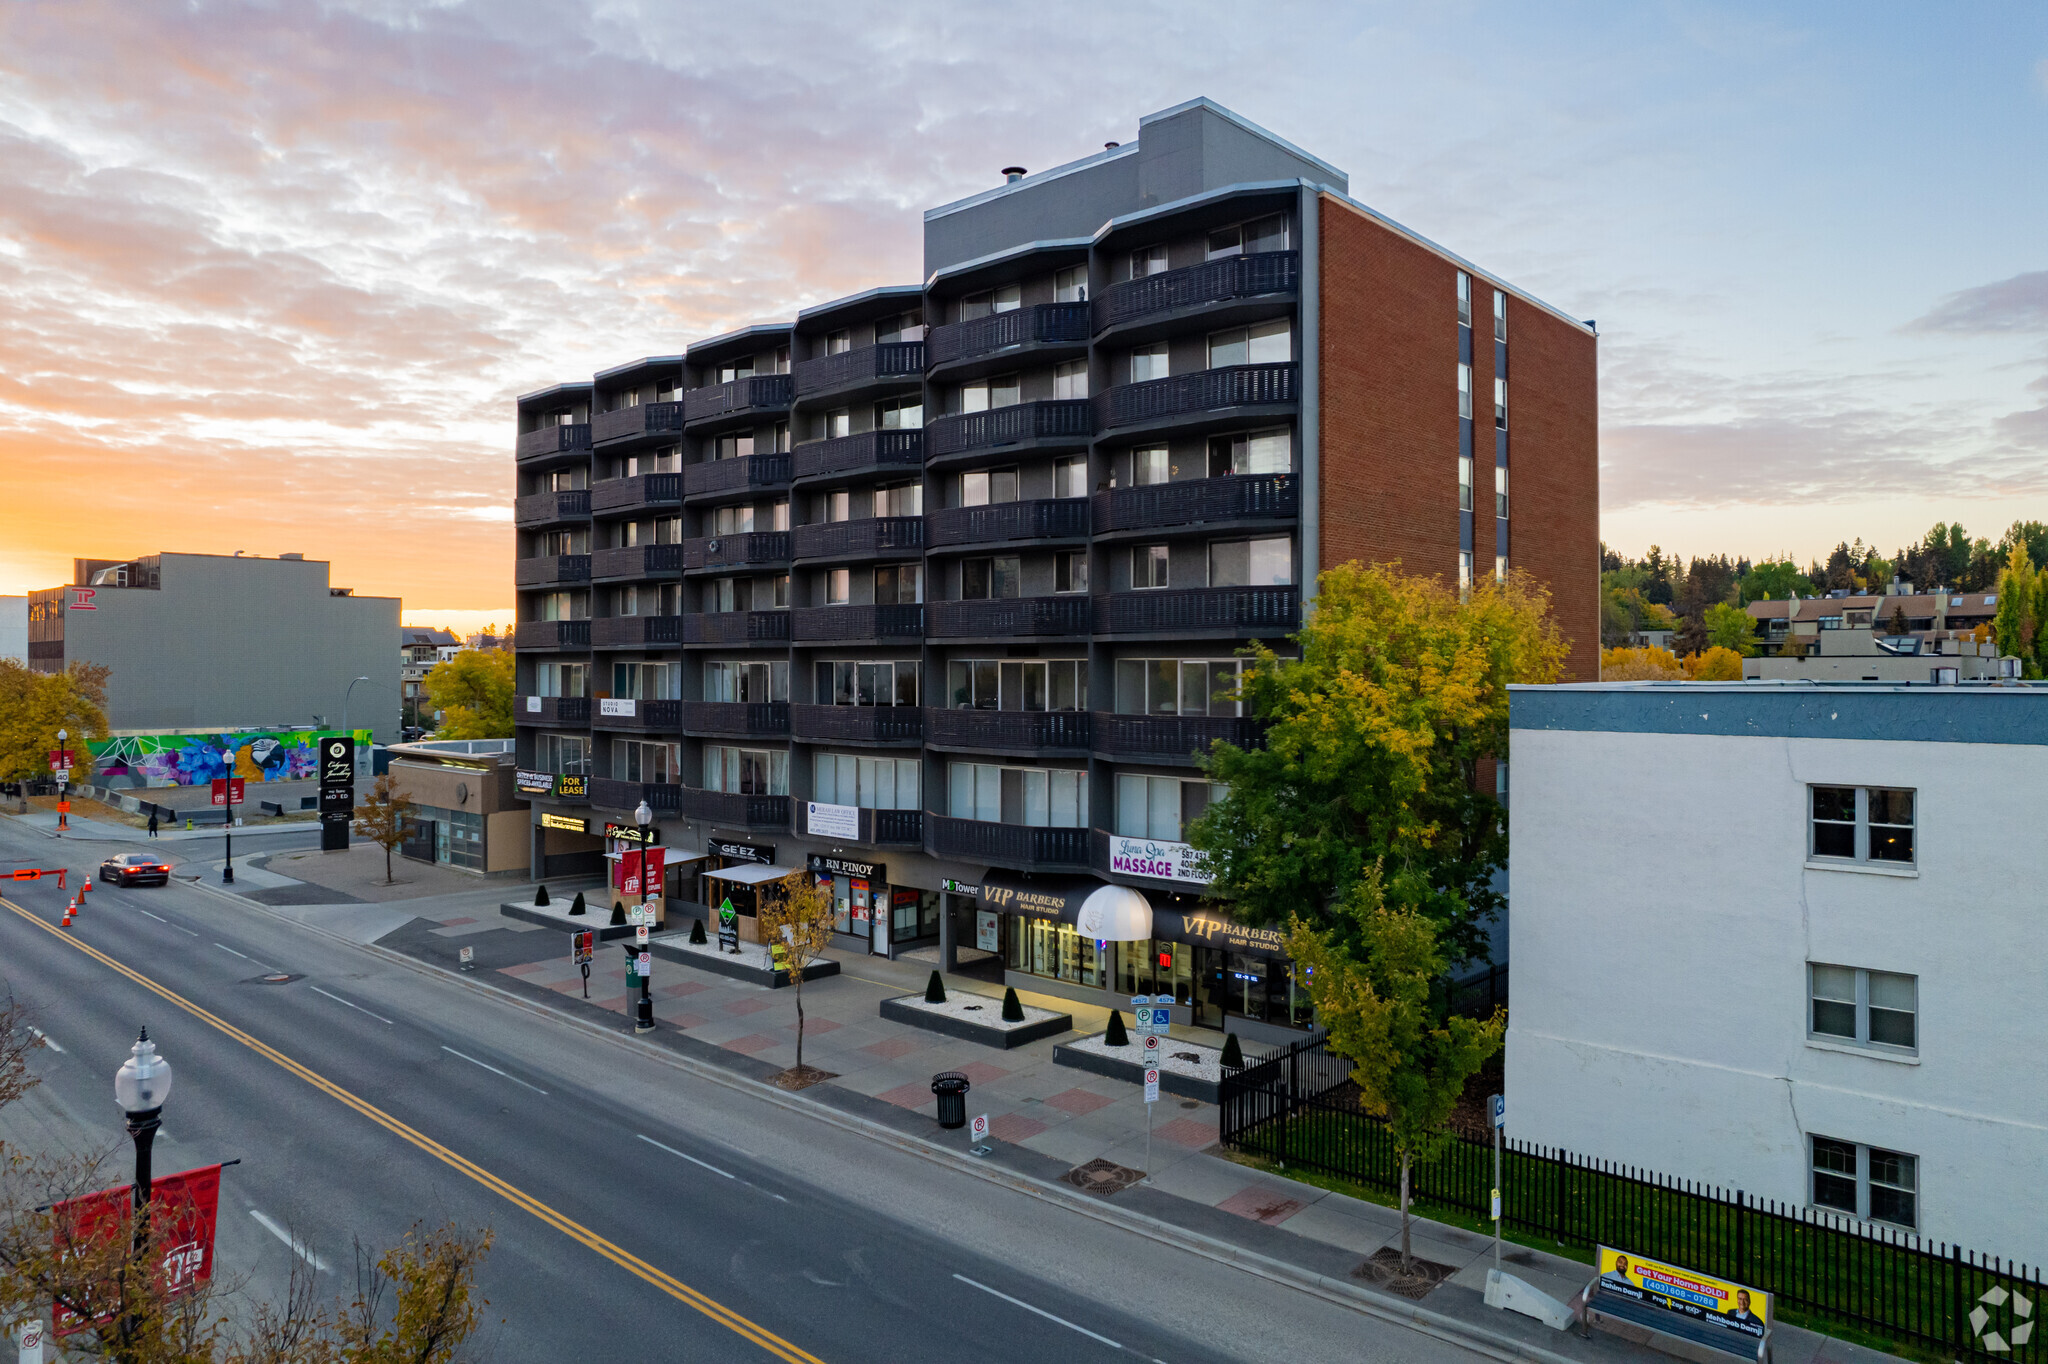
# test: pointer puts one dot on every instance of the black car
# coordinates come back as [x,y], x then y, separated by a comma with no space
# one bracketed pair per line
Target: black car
[134,869]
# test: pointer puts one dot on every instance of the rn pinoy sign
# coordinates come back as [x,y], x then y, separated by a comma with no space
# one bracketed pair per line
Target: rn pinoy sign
[1151,857]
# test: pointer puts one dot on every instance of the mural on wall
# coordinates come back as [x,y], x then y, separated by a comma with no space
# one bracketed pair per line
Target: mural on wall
[196,759]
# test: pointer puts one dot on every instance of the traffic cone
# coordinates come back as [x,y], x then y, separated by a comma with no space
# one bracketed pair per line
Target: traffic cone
[69,910]
[83,889]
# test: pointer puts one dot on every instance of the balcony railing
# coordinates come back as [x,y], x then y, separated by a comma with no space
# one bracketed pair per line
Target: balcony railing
[1257,610]
[628,423]
[551,634]
[859,539]
[857,724]
[612,794]
[539,509]
[553,440]
[1218,281]
[735,475]
[759,392]
[1010,730]
[750,719]
[896,621]
[733,810]
[1070,419]
[1207,390]
[894,828]
[1230,498]
[552,710]
[1008,845]
[636,561]
[854,454]
[740,550]
[736,627]
[635,632]
[636,492]
[662,717]
[1040,325]
[1170,738]
[1042,519]
[1009,616]
[549,569]
[889,360]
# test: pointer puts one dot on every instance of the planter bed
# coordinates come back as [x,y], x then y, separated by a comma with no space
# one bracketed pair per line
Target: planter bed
[751,965]
[976,1018]
[1201,1079]
[556,914]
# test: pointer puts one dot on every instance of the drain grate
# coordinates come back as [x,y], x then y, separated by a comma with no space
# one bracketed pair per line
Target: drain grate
[275,978]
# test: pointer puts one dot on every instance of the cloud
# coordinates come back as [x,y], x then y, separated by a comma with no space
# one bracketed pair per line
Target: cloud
[2018,304]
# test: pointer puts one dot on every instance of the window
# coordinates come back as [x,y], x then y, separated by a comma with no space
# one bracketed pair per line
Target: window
[1148,362]
[1148,260]
[1500,404]
[838,343]
[778,588]
[732,520]
[778,514]
[738,369]
[836,505]
[1465,391]
[639,760]
[1464,299]
[557,542]
[1266,234]
[1177,686]
[838,583]
[899,584]
[1464,572]
[850,683]
[838,423]
[902,327]
[746,771]
[899,499]
[1071,285]
[1160,807]
[1006,299]
[1464,483]
[993,579]
[561,606]
[1070,477]
[1252,563]
[1500,491]
[1148,566]
[1267,343]
[1500,568]
[566,754]
[982,487]
[646,681]
[1866,1181]
[1150,464]
[733,447]
[729,594]
[749,682]
[1252,452]
[1862,824]
[1017,684]
[778,362]
[562,679]
[1876,1008]
[1041,797]
[901,414]
[1070,571]
[983,394]
[1500,316]
[778,438]
[1070,380]
[870,783]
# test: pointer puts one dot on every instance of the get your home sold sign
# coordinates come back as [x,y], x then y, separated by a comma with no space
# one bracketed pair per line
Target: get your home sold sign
[1730,1306]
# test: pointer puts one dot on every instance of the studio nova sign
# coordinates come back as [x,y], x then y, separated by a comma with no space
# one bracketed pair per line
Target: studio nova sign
[1149,857]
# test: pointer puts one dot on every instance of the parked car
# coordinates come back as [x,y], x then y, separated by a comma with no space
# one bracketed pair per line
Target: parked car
[134,869]
[412,734]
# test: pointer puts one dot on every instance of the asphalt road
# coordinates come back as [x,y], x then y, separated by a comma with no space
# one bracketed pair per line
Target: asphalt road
[641,1211]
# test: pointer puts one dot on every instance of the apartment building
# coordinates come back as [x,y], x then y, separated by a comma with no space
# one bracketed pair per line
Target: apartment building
[1826,989]
[937,592]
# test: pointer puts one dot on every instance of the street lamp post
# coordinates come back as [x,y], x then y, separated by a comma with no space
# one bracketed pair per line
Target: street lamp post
[227,828]
[643,815]
[344,713]
[140,1086]
[62,782]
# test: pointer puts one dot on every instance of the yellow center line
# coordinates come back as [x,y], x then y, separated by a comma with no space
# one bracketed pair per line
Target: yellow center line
[576,1231]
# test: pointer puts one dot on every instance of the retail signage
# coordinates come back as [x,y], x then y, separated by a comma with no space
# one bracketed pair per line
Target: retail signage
[81,600]
[630,833]
[1719,1304]
[832,821]
[1150,857]
[1054,898]
[615,705]
[985,930]
[189,1200]
[566,823]
[840,866]
[534,783]
[741,852]
[1173,926]
[572,788]
[337,761]
[960,888]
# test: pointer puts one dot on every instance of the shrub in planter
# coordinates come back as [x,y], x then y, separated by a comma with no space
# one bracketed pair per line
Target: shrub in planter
[540,898]
[618,912]
[1013,1008]
[935,990]
[697,932]
[1114,1035]
[576,905]
[1233,1054]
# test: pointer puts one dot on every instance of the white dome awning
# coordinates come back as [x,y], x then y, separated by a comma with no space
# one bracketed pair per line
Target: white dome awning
[1115,914]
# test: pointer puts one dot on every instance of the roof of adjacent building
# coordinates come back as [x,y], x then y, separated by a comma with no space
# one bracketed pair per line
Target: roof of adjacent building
[411,636]
[1912,603]
[1896,712]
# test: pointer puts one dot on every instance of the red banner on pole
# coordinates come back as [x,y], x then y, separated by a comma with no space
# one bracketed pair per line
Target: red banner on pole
[185,1210]
[629,872]
[654,869]
[228,791]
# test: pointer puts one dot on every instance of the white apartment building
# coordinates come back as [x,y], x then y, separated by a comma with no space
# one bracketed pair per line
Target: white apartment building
[1790,938]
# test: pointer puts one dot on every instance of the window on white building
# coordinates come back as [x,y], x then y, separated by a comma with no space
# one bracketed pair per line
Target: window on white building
[1862,824]
[1866,1181]
[1874,1008]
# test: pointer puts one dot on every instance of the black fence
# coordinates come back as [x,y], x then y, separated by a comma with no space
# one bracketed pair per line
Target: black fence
[1296,1107]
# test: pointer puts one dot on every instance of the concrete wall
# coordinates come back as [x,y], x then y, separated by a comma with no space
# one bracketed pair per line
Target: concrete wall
[1665,913]
[14,628]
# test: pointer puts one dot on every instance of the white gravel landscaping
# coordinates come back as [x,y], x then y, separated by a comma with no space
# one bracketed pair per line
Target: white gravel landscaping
[752,953]
[1173,1053]
[982,1010]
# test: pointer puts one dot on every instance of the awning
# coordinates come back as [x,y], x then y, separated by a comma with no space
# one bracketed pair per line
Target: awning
[1059,898]
[1037,897]
[752,874]
[671,857]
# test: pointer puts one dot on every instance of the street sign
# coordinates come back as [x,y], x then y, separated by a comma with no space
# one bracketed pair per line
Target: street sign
[1496,1205]
[978,1129]
[1152,1084]
[468,957]
[1150,1055]
[1498,1106]
[640,935]
[31,1341]
[582,947]
[646,965]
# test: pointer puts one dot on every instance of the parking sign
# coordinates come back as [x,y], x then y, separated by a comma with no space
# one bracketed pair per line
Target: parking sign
[1152,1084]
[978,1129]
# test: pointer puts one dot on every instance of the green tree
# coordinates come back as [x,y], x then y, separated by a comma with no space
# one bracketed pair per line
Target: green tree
[35,705]
[2032,536]
[2022,603]
[1373,978]
[1373,739]
[473,692]
[1731,627]
[1775,580]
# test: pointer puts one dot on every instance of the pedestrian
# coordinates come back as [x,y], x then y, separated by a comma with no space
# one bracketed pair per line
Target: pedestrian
[152,821]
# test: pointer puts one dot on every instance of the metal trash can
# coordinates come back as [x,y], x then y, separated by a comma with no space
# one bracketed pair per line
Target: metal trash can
[951,1087]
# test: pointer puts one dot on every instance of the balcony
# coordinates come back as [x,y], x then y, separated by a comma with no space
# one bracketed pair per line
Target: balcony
[552,710]
[611,794]
[736,627]
[869,452]
[1205,393]
[1170,738]
[732,810]
[1200,610]
[747,473]
[1051,518]
[857,724]
[1244,497]
[1020,846]
[819,624]
[1004,617]
[551,441]
[1064,424]
[744,549]
[661,717]
[867,538]
[551,634]
[1176,294]
[637,423]
[890,362]
[1009,731]
[549,570]
[635,632]
[744,719]
[635,561]
[640,492]
[1002,337]
[755,397]
[546,509]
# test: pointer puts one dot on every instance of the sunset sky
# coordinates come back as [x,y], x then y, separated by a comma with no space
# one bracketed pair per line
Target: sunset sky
[273,273]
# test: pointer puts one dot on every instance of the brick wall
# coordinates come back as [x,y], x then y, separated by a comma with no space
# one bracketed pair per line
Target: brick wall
[1554,485]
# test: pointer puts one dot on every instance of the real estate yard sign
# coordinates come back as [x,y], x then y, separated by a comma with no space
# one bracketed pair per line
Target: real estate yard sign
[1721,1303]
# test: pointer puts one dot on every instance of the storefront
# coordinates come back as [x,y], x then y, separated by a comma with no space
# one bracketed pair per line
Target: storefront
[638,871]
[468,812]
[869,914]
